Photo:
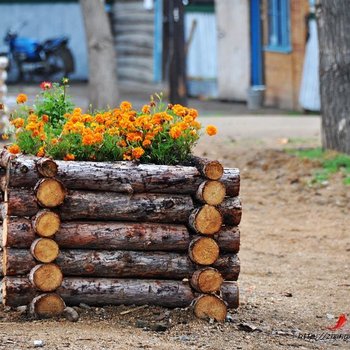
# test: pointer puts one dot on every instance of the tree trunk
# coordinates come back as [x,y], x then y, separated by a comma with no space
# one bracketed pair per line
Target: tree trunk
[333,18]
[103,84]
[108,291]
[117,236]
[47,305]
[210,307]
[104,263]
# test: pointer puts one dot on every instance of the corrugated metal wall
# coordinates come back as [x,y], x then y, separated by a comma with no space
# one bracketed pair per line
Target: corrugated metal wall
[47,20]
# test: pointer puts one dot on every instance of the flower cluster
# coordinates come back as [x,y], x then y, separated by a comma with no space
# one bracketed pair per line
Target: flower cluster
[161,134]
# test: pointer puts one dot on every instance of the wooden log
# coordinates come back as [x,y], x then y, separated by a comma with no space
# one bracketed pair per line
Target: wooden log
[210,169]
[118,236]
[47,305]
[231,210]
[230,293]
[46,223]
[109,206]
[5,158]
[210,307]
[211,192]
[206,220]
[46,277]
[49,192]
[203,251]
[1,269]
[106,291]
[121,264]
[231,180]
[122,177]
[44,250]
[47,167]
[206,280]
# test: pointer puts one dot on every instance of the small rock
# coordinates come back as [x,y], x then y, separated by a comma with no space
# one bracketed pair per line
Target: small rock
[159,327]
[288,295]
[22,309]
[7,309]
[70,314]
[229,318]
[248,327]
[39,343]
[141,324]
[330,317]
[84,306]
[184,338]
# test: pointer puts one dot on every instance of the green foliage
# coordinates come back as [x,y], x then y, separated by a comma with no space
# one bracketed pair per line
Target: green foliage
[331,163]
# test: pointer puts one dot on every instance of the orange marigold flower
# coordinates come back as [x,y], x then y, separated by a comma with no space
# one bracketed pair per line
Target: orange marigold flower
[127,156]
[45,118]
[88,140]
[69,156]
[77,110]
[193,132]
[196,124]
[188,119]
[5,136]
[134,136]
[193,113]
[43,137]
[98,137]
[137,152]
[126,106]
[122,143]
[41,152]
[18,123]
[21,98]
[35,133]
[100,118]
[54,141]
[33,118]
[146,143]
[14,149]
[146,109]
[175,132]
[211,130]
[179,110]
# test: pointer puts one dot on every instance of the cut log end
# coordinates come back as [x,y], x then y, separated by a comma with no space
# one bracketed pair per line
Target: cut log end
[206,220]
[204,251]
[207,280]
[47,167]
[46,223]
[44,250]
[210,306]
[46,277]
[211,192]
[50,193]
[47,305]
[213,170]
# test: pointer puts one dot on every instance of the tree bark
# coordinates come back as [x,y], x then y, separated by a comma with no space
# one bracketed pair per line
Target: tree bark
[231,210]
[108,291]
[231,179]
[118,236]
[333,20]
[104,263]
[103,83]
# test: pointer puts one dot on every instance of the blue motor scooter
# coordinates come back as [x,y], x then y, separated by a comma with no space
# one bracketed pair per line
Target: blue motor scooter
[30,60]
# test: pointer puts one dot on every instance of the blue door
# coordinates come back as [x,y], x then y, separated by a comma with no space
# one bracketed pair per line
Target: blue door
[256,44]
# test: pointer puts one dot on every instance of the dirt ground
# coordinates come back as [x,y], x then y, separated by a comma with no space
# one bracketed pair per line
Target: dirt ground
[295,257]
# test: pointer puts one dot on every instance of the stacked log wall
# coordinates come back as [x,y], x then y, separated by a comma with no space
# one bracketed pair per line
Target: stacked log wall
[129,226]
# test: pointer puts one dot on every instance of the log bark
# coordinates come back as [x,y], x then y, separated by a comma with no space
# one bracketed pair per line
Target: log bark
[211,192]
[47,305]
[1,269]
[107,291]
[230,293]
[50,193]
[44,250]
[108,206]
[206,220]
[210,307]
[206,280]
[103,263]
[231,180]
[231,210]
[46,277]
[118,236]
[211,169]
[203,251]
[46,223]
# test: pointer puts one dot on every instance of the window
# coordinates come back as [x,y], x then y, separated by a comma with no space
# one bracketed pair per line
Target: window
[278,26]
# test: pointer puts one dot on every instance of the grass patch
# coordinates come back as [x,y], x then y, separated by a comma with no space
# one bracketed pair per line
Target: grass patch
[331,162]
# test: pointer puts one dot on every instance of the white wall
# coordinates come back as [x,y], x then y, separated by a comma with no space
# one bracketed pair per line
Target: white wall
[49,20]
[233,31]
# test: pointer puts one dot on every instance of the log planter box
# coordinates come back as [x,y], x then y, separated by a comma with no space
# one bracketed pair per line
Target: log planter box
[119,233]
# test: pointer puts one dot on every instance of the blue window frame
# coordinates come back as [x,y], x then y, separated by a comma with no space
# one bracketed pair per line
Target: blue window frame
[278,26]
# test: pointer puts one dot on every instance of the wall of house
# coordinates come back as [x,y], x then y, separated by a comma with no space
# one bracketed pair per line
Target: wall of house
[283,71]
[233,33]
